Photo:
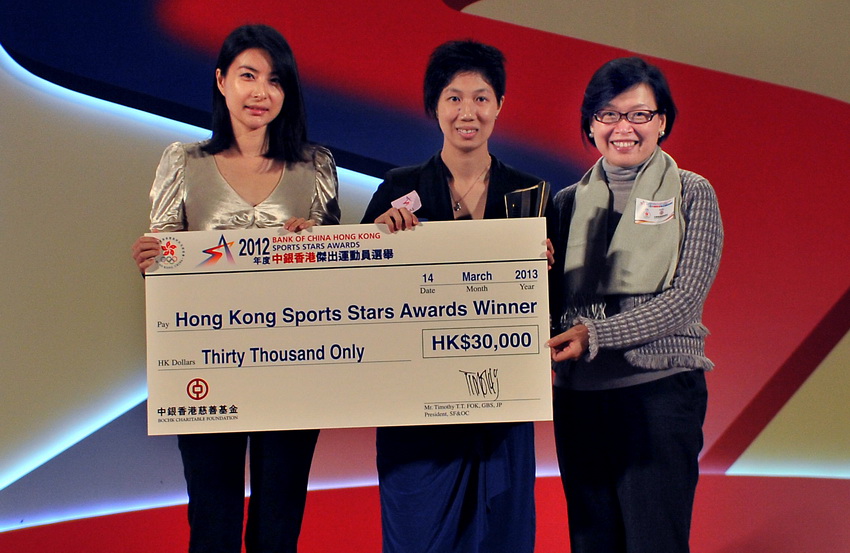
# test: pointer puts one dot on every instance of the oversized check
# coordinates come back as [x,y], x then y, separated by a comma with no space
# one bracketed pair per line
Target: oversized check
[348,326]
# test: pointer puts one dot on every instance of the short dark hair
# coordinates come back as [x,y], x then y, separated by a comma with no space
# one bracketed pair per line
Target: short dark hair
[619,75]
[462,56]
[287,133]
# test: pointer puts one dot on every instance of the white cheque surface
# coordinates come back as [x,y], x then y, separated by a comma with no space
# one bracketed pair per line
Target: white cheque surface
[348,326]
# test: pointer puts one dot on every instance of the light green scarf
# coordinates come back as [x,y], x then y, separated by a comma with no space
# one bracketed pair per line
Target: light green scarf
[641,258]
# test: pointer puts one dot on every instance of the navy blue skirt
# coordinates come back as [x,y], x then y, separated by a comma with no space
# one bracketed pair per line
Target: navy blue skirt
[465,488]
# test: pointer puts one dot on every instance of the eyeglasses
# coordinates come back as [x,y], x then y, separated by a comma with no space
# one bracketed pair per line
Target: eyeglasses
[638,117]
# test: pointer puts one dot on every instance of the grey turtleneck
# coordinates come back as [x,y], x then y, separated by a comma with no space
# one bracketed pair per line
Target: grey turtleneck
[620,181]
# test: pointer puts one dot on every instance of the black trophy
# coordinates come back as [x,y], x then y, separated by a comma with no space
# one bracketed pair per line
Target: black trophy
[527,202]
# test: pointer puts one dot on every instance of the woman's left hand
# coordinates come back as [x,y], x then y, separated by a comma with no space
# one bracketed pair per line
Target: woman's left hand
[550,254]
[295,224]
[570,344]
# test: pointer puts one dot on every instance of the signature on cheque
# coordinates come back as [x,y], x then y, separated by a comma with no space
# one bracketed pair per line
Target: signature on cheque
[484,384]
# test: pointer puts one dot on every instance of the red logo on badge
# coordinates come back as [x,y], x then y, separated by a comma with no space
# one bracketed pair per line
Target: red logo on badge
[197,389]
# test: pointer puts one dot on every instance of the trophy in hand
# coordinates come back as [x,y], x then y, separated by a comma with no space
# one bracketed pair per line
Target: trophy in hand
[527,202]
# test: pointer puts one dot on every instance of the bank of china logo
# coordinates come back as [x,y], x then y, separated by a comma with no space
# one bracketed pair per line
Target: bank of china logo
[217,252]
[197,389]
[172,253]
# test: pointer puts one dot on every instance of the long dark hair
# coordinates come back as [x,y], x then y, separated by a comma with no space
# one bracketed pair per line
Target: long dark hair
[287,133]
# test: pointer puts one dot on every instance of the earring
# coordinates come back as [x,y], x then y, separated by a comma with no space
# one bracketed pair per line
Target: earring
[660,134]
[590,134]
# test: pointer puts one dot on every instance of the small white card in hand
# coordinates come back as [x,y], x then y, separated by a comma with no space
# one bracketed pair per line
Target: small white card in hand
[409,201]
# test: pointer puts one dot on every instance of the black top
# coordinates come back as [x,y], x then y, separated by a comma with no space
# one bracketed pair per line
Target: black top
[431,182]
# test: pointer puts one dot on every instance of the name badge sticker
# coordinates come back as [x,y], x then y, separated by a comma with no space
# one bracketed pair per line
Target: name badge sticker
[648,212]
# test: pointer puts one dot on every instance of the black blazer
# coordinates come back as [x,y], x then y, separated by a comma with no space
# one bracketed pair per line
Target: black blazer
[430,180]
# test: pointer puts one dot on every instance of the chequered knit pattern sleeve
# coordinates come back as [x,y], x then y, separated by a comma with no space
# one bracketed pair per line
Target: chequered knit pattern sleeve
[669,321]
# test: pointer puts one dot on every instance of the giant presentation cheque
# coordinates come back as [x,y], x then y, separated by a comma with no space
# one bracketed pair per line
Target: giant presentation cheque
[348,326]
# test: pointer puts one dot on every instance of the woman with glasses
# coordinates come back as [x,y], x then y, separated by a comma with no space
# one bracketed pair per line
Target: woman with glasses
[638,248]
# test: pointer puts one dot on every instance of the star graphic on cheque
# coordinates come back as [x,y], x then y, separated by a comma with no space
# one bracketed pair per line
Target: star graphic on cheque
[216,252]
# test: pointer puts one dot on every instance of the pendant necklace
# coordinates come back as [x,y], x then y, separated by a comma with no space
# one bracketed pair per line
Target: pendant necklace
[457,206]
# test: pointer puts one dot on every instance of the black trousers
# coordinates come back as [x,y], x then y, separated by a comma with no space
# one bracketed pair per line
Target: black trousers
[214,466]
[628,461]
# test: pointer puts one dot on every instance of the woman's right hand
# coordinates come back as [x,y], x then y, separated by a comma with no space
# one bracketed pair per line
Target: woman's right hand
[397,219]
[145,250]
[571,344]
